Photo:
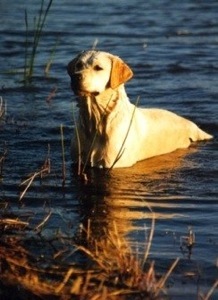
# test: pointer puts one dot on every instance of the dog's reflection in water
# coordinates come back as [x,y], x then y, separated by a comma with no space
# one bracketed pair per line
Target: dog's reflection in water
[130,196]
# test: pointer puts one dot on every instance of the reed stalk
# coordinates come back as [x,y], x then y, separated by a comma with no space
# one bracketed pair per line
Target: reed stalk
[78,145]
[212,289]
[3,108]
[122,149]
[151,234]
[39,23]
[63,156]
[2,160]
[51,58]
[26,48]
[45,169]
[40,226]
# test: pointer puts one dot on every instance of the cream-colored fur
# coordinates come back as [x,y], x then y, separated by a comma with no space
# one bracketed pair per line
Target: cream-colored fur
[112,131]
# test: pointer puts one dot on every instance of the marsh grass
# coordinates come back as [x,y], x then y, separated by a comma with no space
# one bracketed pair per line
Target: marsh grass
[116,272]
[30,54]
[112,270]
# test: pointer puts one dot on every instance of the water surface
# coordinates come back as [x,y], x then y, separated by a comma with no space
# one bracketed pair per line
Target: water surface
[172,48]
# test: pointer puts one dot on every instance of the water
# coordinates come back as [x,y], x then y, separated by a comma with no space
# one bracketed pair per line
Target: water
[172,48]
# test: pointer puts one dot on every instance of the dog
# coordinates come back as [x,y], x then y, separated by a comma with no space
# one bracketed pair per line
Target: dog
[111,131]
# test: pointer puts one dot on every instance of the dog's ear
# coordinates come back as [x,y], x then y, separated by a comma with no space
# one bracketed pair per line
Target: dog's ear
[120,72]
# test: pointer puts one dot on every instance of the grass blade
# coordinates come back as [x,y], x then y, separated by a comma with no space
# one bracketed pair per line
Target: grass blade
[210,292]
[38,28]
[63,156]
[122,149]
[26,46]
[78,145]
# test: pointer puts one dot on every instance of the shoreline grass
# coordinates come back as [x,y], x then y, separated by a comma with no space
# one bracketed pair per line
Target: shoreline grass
[116,273]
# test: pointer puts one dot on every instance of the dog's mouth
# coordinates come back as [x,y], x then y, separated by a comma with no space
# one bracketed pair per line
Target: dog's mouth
[84,93]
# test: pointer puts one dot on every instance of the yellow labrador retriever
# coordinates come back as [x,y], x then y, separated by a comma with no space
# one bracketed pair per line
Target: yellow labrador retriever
[112,131]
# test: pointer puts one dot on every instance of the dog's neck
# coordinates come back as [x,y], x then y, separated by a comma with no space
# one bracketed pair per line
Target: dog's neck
[96,109]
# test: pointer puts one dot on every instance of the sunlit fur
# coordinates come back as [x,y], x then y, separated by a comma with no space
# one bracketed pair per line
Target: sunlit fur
[112,131]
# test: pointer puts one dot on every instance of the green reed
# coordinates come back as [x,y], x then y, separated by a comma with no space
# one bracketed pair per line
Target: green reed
[30,54]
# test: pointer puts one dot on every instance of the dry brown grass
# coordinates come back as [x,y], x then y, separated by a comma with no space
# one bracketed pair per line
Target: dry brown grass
[44,170]
[114,272]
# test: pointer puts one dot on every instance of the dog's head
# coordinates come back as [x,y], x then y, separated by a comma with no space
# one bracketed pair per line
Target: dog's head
[92,72]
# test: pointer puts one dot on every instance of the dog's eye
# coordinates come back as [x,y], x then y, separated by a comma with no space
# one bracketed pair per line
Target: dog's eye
[98,68]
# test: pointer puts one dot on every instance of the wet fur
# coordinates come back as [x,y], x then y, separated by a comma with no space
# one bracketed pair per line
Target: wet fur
[112,131]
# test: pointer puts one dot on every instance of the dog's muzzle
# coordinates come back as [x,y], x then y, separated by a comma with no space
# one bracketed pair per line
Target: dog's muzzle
[77,87]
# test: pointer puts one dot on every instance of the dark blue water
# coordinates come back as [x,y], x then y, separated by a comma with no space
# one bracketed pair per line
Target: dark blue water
[172,47]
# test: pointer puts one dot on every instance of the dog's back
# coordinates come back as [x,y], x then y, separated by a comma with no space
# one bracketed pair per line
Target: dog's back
[113,132]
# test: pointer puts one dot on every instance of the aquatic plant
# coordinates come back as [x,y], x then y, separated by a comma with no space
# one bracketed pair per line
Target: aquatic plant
[30,54]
